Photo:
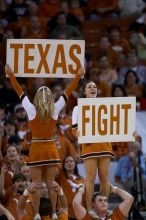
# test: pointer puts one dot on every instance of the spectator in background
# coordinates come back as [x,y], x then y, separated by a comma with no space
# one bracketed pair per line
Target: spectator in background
[34,30]
[14,140]
[5,179]
[140,22]
[138,35]
[101,9]
[143,100]
[70,181]
[62,27]
[76,10]
[45,208]
[18,26]
[71,18]
[44,190]
[7,94]
[8,34]
[49,8]
[107,73]
[105,49]
[130,7]
[118,91]
[119,44]
[124,174]
[23,26]
[12,159]
[4,5]
[21,119]
[57,90]
[32,9]
[9,130]
[25,170]
[21,144]
[132,86]
[14,195]
[16,10]
[138,42]
[132,63]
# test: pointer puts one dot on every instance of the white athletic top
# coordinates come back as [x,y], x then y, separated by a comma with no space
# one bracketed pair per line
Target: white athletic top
[31,111]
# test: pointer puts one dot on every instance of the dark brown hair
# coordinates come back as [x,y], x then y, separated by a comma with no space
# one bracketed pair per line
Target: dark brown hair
[96,194]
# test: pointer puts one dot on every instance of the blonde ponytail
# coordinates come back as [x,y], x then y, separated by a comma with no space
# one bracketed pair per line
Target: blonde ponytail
[44,103]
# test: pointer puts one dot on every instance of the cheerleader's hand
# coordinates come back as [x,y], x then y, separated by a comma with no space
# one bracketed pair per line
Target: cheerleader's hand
[8,70]
[54,186]
[77,133]
[32,187]
[135,134]
[82,188]
[81,71]
[113,188]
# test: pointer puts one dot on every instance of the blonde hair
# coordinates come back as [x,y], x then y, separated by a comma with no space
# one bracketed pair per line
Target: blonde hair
[44,103]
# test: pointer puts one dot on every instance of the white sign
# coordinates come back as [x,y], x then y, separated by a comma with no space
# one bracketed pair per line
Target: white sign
[106,119]
[45,58]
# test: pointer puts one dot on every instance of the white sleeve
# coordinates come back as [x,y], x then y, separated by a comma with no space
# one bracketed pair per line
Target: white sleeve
[58,107]
[75,116]
[29,108]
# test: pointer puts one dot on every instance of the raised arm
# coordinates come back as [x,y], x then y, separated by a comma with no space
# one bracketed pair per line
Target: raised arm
[74,82]
[2,180]
[31,188]
[79,210]
[127,198]
[6,212]
[63,206]
[16,86]
[28,106]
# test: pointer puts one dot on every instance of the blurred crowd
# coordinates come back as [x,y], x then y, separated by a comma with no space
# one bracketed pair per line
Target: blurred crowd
[115,59]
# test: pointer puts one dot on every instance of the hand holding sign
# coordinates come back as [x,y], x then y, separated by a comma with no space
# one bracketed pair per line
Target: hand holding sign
[8,70]
[81,71]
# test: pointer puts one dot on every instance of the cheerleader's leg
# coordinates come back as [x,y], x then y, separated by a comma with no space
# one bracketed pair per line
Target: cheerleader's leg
[103,172]
[36,176]
[50,174]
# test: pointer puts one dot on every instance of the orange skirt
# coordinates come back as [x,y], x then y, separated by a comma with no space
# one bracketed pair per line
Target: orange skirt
[96,150]
[43,153]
